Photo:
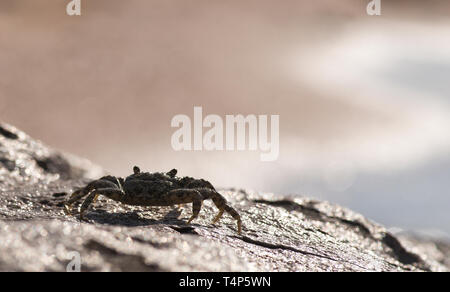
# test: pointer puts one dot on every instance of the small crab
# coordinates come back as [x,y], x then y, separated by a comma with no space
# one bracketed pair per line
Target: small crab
[153,189]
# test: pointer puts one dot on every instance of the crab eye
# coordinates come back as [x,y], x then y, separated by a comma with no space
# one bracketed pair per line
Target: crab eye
[172,173]
[136,170]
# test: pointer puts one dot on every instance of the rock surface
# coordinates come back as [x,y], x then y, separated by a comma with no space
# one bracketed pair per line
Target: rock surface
[279,234]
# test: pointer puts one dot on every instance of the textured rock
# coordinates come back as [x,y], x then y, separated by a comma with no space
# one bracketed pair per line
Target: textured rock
[279,234]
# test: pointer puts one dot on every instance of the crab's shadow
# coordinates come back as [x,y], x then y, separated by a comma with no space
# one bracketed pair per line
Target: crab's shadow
[132,218]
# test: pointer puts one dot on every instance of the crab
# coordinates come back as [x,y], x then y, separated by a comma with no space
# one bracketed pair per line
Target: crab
[153,189]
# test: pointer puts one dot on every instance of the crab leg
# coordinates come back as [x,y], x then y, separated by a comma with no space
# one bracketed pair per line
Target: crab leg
[217,218]
[91,198]
[222,205]
[112,193]
[73,198]
[182,196]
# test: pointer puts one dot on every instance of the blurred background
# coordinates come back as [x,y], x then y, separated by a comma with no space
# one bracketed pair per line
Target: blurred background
[364,101]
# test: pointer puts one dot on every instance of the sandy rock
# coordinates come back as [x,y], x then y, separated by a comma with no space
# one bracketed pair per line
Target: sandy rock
[279,233]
